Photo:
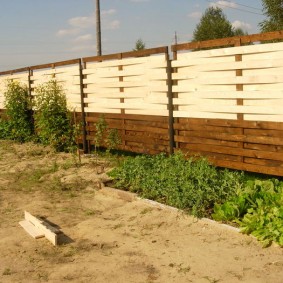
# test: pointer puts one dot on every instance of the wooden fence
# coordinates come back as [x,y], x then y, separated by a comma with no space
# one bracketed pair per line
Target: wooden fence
[223,103]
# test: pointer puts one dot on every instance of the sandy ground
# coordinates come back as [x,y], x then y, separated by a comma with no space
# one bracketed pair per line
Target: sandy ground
[110,235]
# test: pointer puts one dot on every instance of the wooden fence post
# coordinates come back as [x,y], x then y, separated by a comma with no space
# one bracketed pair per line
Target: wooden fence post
[85,146]
[170,105]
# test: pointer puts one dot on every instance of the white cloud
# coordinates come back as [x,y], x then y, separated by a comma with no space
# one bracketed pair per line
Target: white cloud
[85,47]
[82,22]
[67,32]
[108,12]
[138,1]
[111,25]
[195,15]
[242,25]
[224,4]
[84,38]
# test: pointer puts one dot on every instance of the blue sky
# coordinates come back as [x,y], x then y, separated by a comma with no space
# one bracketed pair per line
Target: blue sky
[44,31]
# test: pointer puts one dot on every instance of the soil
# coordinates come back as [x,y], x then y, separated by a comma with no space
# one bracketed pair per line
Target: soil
[110,235]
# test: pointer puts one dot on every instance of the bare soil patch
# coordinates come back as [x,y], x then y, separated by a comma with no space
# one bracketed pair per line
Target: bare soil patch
[110,235]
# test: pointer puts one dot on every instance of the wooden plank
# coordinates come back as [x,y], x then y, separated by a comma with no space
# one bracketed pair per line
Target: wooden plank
[270,170]
[230,41]
[235,151]
[230,137]
[205,115]
[184,64]
[49,231]
[230,109]
[31,229]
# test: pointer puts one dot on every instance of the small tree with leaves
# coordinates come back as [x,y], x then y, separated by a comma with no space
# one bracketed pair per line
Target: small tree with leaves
[273,10]
[213,24]
[140,45]
[19,123]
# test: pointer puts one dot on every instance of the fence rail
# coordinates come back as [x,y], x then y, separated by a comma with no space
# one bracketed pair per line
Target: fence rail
[223,103]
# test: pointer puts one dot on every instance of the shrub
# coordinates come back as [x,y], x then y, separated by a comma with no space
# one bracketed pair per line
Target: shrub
[192,185]
[19,125]
[258,209]
[53,121]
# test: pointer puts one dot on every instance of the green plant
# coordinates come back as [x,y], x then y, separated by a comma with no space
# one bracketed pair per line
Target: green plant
[258,209]
[18,125]
[192,185]
[100,129]
[113,140]
[53,121]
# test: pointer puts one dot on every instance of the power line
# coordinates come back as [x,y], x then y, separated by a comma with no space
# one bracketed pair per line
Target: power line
[234,8]
[250,7]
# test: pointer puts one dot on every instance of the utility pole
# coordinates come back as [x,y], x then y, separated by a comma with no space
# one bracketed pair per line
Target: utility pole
[98,29]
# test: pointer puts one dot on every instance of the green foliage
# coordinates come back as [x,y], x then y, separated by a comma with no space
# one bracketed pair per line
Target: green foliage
[258,209]
[113,139]
[18,125]
[273,10]
[213,24]
[53,121]
[140,45]
[192,185]
[100,129]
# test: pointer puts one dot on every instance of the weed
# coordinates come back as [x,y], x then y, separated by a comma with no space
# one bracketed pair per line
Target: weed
[7,271]
[191,185]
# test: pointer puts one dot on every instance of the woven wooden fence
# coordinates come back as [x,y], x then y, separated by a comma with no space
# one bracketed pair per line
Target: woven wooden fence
[223,103]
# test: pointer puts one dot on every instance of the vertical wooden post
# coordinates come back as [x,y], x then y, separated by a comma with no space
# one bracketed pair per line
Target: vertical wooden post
[175,95]
[85,145]
[240,87]
[122,100]
[170,105]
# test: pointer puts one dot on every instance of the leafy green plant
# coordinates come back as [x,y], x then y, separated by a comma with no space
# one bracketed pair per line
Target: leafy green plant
[53,120]
[113,140]
[18,125]
[100,129]
[258,209]
[192,185]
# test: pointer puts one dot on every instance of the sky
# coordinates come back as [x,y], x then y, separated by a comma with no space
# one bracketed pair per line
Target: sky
[35,32]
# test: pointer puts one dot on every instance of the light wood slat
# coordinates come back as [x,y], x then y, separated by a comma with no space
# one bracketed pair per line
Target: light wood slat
[206,115]
[32,230]
[262,56]
[117,95]
[200,101]
[263,72]
[197,87]
[118,105]
[68,70]
[153,61]
[270,94]
[191,75]
[148,99]
[154,112]
[268,118]
[264,87]
[70,82]
[261,79]
[264,102]
[117,84]
[244,65]
[101,110]
[190,62]
[248,49]
[275,110]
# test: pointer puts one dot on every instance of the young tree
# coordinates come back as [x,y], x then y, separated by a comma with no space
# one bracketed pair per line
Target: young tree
[213,24]
[140,45]
[273,10]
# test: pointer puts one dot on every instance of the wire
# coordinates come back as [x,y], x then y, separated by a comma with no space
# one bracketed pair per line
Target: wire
[242,10]
[245,5]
